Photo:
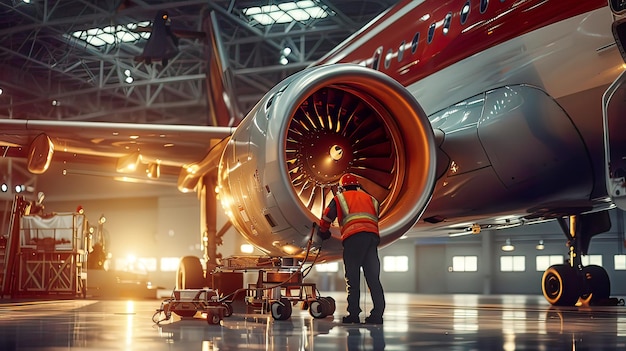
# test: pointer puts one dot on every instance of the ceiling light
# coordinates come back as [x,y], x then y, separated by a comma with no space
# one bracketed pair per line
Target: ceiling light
[508,246]
[128,163]
[300,11]
[112,34]
[540,245]
[283,60]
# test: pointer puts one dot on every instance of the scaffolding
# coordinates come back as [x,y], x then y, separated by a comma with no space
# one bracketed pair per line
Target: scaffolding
[52,253]
[43,255]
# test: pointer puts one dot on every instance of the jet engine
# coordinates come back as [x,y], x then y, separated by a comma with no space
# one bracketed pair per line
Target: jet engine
[282,165]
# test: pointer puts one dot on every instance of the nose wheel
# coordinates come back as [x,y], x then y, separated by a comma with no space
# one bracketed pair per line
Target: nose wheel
[572,283]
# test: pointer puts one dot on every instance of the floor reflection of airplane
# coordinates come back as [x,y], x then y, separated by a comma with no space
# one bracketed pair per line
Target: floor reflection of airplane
[513,91]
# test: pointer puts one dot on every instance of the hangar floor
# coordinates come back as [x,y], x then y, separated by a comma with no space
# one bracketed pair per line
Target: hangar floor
[412,322]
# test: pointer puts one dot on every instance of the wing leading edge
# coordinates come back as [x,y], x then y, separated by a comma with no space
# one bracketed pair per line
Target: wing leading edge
[166,149]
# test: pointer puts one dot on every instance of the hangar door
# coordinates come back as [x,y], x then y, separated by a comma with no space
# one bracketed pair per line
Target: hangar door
[431,269]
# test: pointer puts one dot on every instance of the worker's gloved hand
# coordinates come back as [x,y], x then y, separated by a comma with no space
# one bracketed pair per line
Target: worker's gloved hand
[324,235]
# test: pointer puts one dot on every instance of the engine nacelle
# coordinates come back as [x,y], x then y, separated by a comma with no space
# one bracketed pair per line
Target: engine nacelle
[282,165]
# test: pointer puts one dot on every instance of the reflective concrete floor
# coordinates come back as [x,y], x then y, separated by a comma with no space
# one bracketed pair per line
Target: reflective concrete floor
[412,322]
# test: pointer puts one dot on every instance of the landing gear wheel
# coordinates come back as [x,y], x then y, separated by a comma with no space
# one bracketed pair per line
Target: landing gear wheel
[281,310]
[189,274]
[559,285]
[598,285]
[213,318]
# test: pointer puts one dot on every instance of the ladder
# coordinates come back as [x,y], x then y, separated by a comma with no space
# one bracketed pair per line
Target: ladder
[9,244]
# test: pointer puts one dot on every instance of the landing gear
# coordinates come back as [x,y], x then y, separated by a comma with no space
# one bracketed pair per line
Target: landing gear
[571,284]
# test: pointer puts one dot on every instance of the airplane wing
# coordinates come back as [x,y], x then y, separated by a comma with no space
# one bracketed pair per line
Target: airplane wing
[124,148]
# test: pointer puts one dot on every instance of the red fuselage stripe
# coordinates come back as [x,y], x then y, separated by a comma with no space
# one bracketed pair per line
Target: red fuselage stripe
[500,21]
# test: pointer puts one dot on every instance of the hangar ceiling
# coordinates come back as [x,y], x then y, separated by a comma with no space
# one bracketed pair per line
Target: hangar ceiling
[48,71]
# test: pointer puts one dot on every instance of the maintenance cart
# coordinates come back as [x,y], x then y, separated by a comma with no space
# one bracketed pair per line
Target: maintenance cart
[276,290]
[186,303]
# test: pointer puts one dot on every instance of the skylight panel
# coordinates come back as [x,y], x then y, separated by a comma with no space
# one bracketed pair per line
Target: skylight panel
[299,11]
[112,34]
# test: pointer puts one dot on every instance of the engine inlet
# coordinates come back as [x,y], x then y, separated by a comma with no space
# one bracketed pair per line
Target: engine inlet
[332,132]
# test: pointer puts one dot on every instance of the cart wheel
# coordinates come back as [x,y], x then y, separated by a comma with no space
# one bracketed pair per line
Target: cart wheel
[228,309]
[212,318]
[281,310]
[316,309]
[333,305]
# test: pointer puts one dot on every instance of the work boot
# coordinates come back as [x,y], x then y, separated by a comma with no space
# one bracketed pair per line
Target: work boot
[350,319]
[373,320]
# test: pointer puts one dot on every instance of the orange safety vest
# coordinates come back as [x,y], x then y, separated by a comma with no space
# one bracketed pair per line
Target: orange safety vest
[359,213]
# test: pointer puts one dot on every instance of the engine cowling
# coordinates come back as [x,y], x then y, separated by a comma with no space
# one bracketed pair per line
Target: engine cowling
[282,165]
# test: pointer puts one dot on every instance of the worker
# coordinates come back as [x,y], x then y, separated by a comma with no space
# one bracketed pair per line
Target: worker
[357,214]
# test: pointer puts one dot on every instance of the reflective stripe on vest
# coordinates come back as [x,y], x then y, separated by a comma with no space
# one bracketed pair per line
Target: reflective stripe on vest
[347,216]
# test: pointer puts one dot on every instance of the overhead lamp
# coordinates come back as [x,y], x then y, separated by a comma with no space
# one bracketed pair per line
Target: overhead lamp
[128,163]
[4,187]
[129,77]
[508,246]
[154,170]
[540,245]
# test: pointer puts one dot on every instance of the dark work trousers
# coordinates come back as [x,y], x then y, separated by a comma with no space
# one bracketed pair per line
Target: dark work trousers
[361,250]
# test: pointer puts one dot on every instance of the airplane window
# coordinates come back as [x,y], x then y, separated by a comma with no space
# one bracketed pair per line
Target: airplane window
[431,32]
[388,58]
[483,5]
[446,23]
[401,51]
[416,39]
[465,12]
[377,55]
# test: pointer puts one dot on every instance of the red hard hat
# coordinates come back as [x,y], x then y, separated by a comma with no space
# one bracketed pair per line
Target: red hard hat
[348,179]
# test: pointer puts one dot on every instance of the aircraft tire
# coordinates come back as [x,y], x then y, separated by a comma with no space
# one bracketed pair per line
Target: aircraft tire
[559,285]
[190,274]
[599,285]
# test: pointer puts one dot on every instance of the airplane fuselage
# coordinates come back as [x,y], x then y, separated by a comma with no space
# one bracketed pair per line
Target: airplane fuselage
[556,58]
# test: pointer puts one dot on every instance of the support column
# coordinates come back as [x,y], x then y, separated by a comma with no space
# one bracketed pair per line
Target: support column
[487,255]
[208,222]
